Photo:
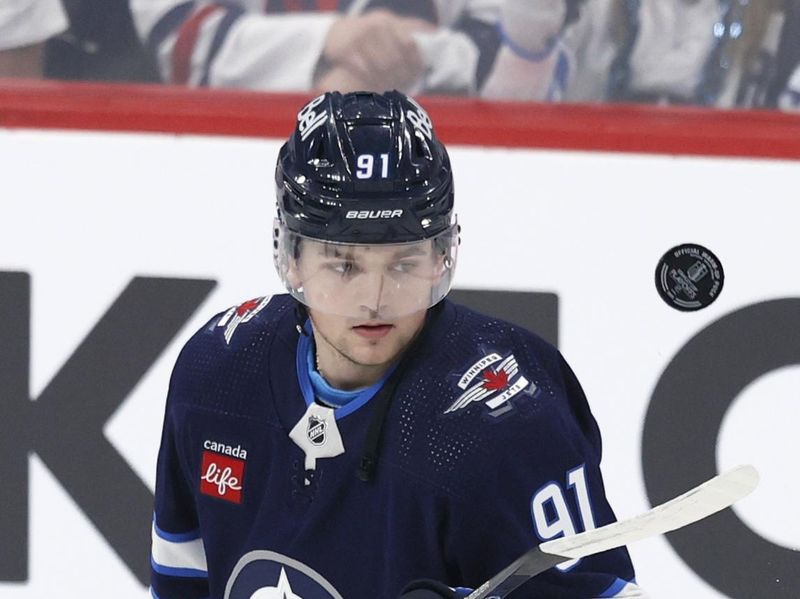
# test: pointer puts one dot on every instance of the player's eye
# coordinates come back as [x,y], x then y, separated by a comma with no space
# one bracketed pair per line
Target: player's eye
[343,267]
[406,266]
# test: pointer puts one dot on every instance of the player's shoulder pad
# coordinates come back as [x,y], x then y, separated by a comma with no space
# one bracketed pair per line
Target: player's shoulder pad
[488,392]
[498,367]
[239,324]
[484,326]
[228,355]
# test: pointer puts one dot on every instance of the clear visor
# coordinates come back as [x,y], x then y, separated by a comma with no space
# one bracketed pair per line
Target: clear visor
[366,282]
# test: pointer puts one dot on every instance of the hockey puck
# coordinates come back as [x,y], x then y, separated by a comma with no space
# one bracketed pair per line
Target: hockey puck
[689,277]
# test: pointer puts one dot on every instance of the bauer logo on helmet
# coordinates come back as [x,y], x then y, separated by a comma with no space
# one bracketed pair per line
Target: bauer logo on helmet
[365,214]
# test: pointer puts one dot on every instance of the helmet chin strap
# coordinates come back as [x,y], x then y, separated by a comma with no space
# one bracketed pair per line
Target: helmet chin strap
[301,316]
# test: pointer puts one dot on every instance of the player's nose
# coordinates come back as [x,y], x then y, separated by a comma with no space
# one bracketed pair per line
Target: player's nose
[373,293]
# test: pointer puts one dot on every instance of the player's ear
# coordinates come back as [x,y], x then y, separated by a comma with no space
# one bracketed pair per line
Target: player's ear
[438,270]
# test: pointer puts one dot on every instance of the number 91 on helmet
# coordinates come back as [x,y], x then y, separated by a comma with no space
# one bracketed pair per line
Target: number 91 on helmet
[365,225]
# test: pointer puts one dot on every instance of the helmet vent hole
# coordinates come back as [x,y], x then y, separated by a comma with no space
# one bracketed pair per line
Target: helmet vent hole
[422,150]
[318,154]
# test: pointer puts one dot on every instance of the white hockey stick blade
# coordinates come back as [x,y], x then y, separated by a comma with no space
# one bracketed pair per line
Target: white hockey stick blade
[704,500]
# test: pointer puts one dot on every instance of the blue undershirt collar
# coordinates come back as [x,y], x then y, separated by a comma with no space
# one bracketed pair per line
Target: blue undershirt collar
[313,385]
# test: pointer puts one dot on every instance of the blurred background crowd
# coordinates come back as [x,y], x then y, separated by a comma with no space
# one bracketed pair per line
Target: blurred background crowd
[719,53]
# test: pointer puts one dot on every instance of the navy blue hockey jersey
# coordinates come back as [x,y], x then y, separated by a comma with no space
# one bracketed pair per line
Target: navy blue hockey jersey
[488,448]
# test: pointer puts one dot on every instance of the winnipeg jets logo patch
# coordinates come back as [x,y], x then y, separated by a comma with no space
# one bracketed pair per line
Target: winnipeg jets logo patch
[282,591]
[241,314]
[493,379]
[264,574]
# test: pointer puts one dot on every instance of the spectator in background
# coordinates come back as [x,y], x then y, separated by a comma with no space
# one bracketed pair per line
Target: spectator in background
[743,64]
[100,44]
[659,51]
[25,25]
[533,63]
[784,88]
[642,50]
[674,41]
[708,52]
[429,46]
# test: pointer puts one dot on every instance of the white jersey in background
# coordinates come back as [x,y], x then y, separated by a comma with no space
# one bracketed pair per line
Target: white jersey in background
[263,45]
[29,22]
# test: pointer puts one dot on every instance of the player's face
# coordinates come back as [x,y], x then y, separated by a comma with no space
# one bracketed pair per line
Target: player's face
[377,281]
[368,283]
[369,343]
[367,303]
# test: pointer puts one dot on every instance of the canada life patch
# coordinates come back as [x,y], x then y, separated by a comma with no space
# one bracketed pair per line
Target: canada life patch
[493,379]
[222,476]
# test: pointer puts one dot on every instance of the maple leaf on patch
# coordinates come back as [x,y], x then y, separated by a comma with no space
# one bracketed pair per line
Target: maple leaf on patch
[244,308]
[494,381]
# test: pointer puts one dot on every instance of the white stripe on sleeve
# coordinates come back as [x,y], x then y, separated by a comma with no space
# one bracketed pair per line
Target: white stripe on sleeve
[630,591]
[184,554]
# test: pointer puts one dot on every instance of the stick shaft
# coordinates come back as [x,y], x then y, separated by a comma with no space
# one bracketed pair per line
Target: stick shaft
[704,500]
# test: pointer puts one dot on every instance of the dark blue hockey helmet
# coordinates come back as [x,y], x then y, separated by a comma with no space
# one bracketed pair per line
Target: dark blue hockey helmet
[363,170]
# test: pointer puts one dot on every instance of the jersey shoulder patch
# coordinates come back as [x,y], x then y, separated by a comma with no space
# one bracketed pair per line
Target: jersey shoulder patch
[494,379]
[241,314]
[237,325]
[499,365]
[224,365]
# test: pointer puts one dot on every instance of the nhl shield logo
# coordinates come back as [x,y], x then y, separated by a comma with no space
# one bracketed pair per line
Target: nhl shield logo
[316,430]
[317,435]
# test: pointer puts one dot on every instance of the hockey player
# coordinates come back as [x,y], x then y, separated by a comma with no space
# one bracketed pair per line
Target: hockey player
[362,433]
